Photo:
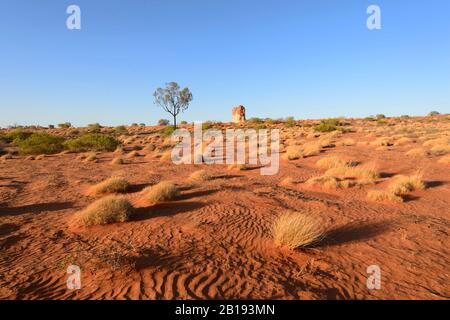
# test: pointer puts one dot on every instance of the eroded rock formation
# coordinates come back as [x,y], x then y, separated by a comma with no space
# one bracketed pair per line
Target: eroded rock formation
[238,114]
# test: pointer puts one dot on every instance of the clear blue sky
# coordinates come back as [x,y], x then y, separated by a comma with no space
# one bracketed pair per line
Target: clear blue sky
[302,58]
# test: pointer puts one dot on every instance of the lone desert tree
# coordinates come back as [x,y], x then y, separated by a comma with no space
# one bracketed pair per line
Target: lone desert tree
[173,99]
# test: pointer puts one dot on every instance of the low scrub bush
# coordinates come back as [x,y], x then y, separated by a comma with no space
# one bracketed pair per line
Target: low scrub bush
[92,142]
[17,135]
[328,125]
[40,143]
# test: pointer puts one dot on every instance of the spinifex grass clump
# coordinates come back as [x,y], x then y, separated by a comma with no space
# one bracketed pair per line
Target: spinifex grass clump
[405,184]
[107,210]
[163,191]
[200,175]
[111,185]
[296,230]
[293,153]
[379,195]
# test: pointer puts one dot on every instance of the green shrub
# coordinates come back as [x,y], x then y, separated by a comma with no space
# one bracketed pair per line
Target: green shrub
[269,121]
[17,135]
[167,131]
[289,119]
[2,142]
[207,125]
[74,132]
[163,122]
[259,126]
[40,143]
[92,142]
[94,128]
[65,125]
[255,120]
[328,125]
[183,122]
[120,129]
[433,114]
[290,122]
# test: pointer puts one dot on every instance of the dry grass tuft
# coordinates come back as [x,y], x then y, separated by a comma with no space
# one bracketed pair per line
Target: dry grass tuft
[200,175]
[404,184]
[331,162]
[296,230]
[437,141]
[365,174]
[117,160]
[378,195]
[107,210]
[88,157]
[327,182]
[111,185]
[163,191]
[347,142]
[417,152]
[440,150]
[403,141]
[293,153]
[325,143]
[312,149]
[382,142]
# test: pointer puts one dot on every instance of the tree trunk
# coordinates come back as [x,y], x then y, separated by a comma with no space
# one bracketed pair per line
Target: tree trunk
[175,122]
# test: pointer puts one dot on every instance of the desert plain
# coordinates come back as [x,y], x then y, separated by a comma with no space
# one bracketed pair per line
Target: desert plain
[377,192]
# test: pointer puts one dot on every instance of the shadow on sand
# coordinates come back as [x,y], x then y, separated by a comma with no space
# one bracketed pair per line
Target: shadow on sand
[35,208]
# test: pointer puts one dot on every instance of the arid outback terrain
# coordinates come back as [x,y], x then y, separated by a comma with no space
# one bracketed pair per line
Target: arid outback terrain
[381,197]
